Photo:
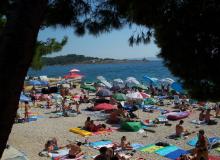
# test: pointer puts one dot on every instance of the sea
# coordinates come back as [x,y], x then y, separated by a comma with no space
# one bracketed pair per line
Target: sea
[154,69]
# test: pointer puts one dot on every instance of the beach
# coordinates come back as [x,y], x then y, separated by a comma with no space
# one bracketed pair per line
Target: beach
[31,137]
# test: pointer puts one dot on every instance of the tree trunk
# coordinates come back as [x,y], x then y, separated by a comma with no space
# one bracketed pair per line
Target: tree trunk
[17,42]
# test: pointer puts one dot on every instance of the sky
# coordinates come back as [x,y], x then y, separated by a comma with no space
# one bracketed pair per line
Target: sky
[108,45]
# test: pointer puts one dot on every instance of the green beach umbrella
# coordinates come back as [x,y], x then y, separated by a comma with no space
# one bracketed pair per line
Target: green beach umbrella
[140,86]
[120,97]
[88,88]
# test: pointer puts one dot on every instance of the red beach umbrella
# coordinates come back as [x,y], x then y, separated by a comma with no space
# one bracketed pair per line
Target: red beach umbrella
[104,106]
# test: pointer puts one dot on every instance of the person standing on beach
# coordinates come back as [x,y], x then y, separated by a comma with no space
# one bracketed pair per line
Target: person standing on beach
[26,109]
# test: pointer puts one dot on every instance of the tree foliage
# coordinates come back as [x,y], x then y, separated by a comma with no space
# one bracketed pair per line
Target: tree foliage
[187,31]
[45,48]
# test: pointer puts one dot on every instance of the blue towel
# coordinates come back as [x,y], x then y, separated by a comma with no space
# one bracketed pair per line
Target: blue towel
[100,143]
[135,146]
[166,150]
[176,154]
[212,140]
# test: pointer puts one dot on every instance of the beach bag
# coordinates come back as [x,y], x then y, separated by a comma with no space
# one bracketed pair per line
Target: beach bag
[131,126]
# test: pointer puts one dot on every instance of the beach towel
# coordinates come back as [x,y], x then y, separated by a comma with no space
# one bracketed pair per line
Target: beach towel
[166,150]
[99,144]
[136,146]
[59,153]
[176,154]
[212,141]
[151,148]
[198,122]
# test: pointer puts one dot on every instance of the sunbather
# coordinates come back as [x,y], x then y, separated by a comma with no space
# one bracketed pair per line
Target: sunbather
[208,119]
[180,131]
[75,150]
[124,144]
[103,154]
[202,115]
[87,123]
[51,145]
[94,128]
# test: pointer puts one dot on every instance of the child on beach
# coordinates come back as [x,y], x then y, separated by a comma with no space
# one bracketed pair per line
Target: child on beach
[124,144]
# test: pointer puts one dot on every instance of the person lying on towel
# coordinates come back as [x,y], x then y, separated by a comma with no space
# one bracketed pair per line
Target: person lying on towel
[75,150]
[95,128]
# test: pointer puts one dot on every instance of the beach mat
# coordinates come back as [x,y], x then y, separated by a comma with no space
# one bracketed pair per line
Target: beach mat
[151,148]
[80,131]
[176,154]
[99,144]
[136,146]
[166,150]
[212,140]
[60,153]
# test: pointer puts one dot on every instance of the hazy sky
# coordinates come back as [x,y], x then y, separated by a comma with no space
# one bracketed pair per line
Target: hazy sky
[111,45]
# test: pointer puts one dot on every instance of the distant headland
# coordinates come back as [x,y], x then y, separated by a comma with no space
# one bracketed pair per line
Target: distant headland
[81,59]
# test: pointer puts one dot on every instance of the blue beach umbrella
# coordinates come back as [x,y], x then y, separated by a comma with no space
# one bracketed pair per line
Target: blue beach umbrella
[177,87]
[104,93]
[150,80]
[24,98]
[34,83]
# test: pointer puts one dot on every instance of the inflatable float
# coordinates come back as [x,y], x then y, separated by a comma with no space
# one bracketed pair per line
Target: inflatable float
[176,115]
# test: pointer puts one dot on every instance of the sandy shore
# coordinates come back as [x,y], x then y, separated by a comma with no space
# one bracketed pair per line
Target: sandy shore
[31,137]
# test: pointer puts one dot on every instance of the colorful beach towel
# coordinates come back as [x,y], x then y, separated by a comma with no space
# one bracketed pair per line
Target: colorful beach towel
[212,140]
[176,154]
[103,143]
[150,148]
[166,150]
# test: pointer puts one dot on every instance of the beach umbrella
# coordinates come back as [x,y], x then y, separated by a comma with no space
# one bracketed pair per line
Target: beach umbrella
[150,80]
[167,81]
[100,78]
[106,84]
[104,93]
[116,88]
[104,106]
[177,87]
[134,95]
[73,76]
[145,95]
[118,80]
[120,97]
[24,98]
[131,81]
[74,70]
[34,83]
[88,88]
[140,86]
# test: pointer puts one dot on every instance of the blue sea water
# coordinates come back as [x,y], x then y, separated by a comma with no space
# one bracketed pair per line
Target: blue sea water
[109,71]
